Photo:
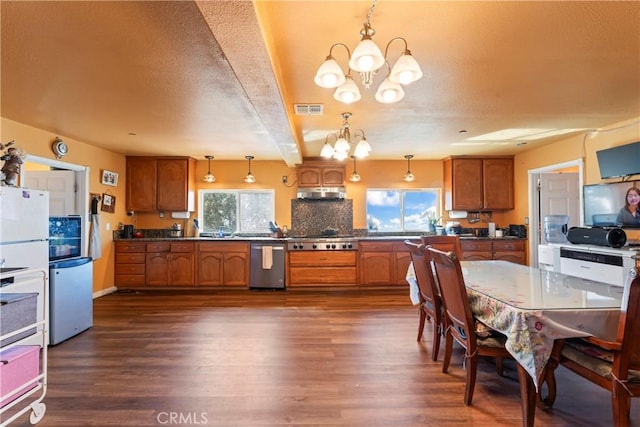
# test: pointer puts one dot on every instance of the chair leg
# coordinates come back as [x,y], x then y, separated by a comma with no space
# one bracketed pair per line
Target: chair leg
[471,367]
[549,375]
[621,403]
[527,397]
[448,349]
[423,317]
[436,342]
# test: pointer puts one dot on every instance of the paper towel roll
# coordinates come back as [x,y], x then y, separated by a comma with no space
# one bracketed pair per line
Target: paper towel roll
[492,229]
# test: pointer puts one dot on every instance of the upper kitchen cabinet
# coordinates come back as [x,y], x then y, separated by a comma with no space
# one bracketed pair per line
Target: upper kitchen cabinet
[321,174]
[478,183]
[160,184]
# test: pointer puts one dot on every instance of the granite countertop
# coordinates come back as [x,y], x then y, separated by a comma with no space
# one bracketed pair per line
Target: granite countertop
[284,239]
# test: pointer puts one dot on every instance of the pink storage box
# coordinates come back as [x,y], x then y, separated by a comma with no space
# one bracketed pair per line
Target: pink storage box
[18,365]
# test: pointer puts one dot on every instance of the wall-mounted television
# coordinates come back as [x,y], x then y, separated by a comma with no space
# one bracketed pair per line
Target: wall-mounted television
[623,160]
[602,202]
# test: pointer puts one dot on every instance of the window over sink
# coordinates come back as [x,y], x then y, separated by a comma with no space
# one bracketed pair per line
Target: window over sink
[393,210]
[236,211]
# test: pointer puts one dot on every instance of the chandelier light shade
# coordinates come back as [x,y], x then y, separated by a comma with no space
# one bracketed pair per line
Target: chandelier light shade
[367,59]
[209,176]
[355,176]
[343,142]
[408,176]
[249,179]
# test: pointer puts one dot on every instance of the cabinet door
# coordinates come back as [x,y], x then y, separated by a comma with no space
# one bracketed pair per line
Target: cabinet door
[309,176]
[376,268]
[463,184]
[181,269]
[209,269]
[476,250]
[333,177]
[173,184]
[498,183]
[236,269]
[402,261]
[141,184]
[157,268]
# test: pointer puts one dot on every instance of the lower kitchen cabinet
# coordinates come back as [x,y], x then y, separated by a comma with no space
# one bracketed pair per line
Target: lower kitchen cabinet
[500,249]
[223,264]
[170,264]
[309,268]
[130,264]
[383,262]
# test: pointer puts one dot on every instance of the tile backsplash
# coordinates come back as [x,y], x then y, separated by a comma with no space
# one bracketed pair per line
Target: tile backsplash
[310,217]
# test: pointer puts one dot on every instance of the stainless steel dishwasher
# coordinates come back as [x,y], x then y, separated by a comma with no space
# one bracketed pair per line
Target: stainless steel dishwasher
[267,265]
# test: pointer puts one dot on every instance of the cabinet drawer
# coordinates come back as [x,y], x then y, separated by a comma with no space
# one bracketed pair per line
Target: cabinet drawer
[130,279]
[322,275]
[130,258]
[508,245]
[376,246]
[130,246]
[476,245]
[223,247]
[323,258]
[129,269]
[158,247]
[182,247]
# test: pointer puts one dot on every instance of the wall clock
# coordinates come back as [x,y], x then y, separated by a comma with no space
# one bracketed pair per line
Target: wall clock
[59,148]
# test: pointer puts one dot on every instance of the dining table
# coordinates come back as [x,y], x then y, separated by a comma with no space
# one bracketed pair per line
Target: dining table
[534,307]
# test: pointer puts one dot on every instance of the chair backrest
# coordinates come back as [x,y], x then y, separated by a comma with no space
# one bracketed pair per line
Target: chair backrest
[454,297]
[629,329]
[444,243]
[424,274]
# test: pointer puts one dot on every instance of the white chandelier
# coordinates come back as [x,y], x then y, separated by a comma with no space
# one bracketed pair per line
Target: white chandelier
[340,150]
[367,59]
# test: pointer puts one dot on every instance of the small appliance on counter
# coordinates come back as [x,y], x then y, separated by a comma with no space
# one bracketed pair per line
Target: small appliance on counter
[127,232]
[518,230]
[176,230]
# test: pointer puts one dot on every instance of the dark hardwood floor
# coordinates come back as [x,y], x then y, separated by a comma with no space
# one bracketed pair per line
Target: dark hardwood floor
[300,357]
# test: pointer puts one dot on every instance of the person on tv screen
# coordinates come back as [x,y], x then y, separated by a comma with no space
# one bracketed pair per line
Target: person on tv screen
[629,214]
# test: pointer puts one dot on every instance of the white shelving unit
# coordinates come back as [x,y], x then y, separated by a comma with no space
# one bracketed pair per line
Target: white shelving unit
[29,280]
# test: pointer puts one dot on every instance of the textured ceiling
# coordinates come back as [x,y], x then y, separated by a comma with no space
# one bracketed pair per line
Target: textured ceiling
[221,77]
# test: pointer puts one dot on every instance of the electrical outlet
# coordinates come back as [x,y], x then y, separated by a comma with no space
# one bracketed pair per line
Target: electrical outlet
[526,220]
[285,179]
[161,214]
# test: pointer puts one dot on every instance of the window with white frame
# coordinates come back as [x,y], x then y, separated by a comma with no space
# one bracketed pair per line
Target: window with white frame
[391,210]
[236,211]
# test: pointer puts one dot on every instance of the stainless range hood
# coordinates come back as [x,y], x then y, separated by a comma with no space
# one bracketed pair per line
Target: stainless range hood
[322,193]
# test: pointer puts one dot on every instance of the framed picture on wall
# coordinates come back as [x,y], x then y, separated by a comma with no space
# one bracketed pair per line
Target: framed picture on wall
[109,178]
[108,203]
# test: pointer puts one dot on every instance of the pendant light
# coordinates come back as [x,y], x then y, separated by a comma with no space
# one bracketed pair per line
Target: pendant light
[355,176]
[408,177]
[249,179]
[209,176]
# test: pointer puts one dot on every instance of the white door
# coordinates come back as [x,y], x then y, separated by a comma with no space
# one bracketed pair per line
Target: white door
[560,195]
[61,185]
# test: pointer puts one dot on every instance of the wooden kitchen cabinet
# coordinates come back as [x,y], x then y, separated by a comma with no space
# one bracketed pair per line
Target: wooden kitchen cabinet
[308,268]
[170,264]
[472,183]
[222,264]
[130,263]
[160,184]
[512,250]
[383,262]
[320,174]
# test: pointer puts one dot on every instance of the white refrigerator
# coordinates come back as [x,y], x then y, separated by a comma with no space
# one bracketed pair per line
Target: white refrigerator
[24,236]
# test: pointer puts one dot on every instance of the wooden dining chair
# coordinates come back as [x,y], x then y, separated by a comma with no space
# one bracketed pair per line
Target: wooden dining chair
[460,325]
[444,243]
[430,305]
[613,365]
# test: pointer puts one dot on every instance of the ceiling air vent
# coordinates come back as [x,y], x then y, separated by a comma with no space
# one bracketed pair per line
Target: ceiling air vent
[308,109]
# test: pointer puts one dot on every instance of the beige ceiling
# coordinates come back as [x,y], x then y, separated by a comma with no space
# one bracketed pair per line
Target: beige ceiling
[221,77]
